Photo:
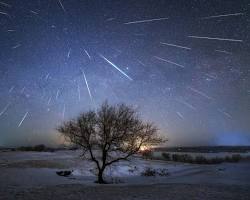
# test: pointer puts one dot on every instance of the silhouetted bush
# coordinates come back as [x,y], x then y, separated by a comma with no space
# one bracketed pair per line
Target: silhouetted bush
[162,172]
[148,172]
[200,160]
[235,158]
[153,172]
[175,157]
[40,147]
[166,156]
[147,154]
[189,159]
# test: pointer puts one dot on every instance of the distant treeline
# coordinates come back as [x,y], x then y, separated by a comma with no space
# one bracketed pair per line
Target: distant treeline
[186,158]
[206,149]
[39,148]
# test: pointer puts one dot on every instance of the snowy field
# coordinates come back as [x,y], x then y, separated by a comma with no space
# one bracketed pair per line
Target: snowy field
[22,172]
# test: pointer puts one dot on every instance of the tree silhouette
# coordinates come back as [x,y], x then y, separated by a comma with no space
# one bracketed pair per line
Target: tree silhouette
[110,134]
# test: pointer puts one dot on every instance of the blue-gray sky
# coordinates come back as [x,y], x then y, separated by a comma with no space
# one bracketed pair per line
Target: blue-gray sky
[184,64]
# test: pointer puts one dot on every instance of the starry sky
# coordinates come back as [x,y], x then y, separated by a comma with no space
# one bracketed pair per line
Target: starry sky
[185,65]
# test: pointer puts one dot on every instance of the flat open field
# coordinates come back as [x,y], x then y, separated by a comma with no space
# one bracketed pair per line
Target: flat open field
[31,175]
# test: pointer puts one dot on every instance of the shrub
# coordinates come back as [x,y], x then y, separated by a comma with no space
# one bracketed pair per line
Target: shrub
[147,154]
[133,169]
[166,156]
[236,158]
[154,172]
[200,160]
[148,172]
[189,159]
[39,147]
[227,159]
[175,157]
[162,172]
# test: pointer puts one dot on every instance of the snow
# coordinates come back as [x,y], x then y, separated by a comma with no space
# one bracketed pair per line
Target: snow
[125,172]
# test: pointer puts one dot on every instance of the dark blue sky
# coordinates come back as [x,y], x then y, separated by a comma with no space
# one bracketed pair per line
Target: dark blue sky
[190,73]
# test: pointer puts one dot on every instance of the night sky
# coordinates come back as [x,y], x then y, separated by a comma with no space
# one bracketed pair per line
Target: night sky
[184,64]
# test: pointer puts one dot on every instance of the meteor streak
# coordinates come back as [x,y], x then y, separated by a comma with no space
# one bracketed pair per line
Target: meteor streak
[4,13]
[4,109]
[225,113]
[110,19]
[146,20]
[168,61]
[79,92]
[211,76]
[225,15]
[34,12]
[214,38]
[57,94]
[186,104]
[61,4]
[47,77]
[200,93]
[116,67]
[141,63]
[87,85]
[87,53]
[11,89]
[24,117]
[5,4]
[69,52]
[49,101]
[180,115]
[223,51]
[16,46]
[22,91]
[64,109]
[174,45]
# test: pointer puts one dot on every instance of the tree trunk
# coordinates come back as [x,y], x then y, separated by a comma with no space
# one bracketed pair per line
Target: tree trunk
[100,177]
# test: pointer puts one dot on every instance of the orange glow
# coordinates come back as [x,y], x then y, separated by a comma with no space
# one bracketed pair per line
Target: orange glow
[144,148]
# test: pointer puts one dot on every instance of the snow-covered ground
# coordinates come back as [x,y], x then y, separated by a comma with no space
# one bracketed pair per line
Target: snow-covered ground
[38,168]
[32,175]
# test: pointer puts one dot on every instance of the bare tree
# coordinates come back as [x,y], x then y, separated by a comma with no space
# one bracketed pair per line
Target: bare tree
[110,134]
